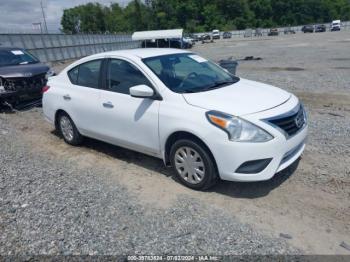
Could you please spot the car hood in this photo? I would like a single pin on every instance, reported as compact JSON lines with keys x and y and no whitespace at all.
{"x":242,"y":98}
{"x":23,"y":70}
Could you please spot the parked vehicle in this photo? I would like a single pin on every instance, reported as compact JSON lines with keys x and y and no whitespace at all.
{"x":308,"y":29}
{"x":227,"y":35}
{"x":167,"y":43}
{"x":320,"y":28}
{"x":258,"y":32}
{"x":182,"y":108}
{"x":289,"y":31}
{"x":205,"y":37}
{"x":189,"y":40}
{"x":335,"y":26}
{"x":273,"y":32}
{"x":216,"y":34}
{"x":22,"y":76}
{"x":195,"y":37}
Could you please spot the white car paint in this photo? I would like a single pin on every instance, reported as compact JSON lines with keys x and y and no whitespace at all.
{"x":248,"y":97}
{"x":144,"y":125}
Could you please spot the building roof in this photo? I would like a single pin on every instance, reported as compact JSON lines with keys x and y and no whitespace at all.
{"x":157,"y":34}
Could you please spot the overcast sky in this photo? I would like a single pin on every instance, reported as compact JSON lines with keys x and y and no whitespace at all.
{"x":19,"y":15}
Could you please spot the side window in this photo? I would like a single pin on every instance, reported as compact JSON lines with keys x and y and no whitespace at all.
{"x":86,"y":74}
{"x":89,"y":74}
{"x":73,"y":75}
{"x":122,"y":75}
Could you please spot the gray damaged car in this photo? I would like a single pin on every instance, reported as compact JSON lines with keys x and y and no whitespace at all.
{"x":22,"y":76}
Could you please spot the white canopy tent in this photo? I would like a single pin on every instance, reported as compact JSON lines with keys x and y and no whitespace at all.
{"x":157,"y":34}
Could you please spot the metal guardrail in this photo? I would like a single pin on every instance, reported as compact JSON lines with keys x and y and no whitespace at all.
{"x":58,"y":47}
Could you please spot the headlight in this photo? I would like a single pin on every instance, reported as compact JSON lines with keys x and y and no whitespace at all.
{"x":50,"y":73}
{"x":238,"y":130}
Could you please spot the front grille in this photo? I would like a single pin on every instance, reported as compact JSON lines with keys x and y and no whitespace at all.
{"x":25,"y":85}
{"x":291,"y":122}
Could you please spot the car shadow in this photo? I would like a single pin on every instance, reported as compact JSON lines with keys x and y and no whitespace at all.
{"x":22,"y":107}
{"x":249,"y":190}
{"x":123,"y":154}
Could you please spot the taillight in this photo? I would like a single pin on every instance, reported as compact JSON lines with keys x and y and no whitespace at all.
{"x":45,"y":89}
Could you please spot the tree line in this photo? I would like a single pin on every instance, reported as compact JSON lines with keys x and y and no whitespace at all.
{"x":200,"y":15}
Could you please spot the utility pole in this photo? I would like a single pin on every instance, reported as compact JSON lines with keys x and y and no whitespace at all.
{"x":42,"y":10}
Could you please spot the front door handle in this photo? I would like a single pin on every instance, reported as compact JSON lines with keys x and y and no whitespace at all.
{"x":108,"y":105}
{"x":66,"y":97}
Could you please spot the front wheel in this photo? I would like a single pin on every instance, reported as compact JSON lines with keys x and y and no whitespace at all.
{"x":193,"y":164}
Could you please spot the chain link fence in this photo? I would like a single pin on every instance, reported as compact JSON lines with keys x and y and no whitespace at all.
{"x":58,"y":47}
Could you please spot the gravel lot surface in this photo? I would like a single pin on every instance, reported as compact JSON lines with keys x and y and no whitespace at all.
{"x":301,"y":62}
{"x":315,"y":67}
{"x":102,"y":199}
{"x":49,"y":206}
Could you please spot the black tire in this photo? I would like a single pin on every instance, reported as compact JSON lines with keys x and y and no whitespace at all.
{"x":76,"y":138}
{"x":210,"y":174}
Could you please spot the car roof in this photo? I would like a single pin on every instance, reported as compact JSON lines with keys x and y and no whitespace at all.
{"x":142,"y":52}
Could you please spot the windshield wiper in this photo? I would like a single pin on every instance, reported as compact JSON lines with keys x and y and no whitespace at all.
{"x":218,"y":85}
{"x":188,"y":91}
{"x":28,"y":62}
{"x":215,"y":85}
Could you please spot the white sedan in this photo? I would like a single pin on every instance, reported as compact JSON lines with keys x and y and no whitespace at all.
{"x":180,"y":107}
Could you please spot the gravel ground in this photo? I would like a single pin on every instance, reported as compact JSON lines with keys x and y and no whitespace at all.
{"x":301,"y":62}
{"x":102,"y":199}
{"x":316,"y":68}
{"x":49,"y":206}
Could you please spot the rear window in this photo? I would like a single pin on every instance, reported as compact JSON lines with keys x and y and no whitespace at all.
{"x":87,"y":74}
{"x":73,"y":75}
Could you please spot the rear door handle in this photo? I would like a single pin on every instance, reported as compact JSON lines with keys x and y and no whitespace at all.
{"x":108,"y":105}
{"x":66,"y":97}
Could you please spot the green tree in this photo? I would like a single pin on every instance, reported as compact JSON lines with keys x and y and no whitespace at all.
{"x":70,"y":21}
{"x":200,"y":15}
{"x":114,"y":19}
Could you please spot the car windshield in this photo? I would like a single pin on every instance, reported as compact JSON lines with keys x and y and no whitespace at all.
{"x":16,"y":57}
{"x":189,"y":73}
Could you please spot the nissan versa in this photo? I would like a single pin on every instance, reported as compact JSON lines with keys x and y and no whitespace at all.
{"x":180,"y":107}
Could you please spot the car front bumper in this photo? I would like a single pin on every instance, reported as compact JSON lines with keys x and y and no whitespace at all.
{"x":279,"y":152}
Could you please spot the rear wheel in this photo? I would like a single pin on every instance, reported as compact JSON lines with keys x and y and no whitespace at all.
{"x":193,"y":164}
{"x":68,"y":130}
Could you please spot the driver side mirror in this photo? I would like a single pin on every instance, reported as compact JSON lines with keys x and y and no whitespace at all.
{"x":142,"y":91}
